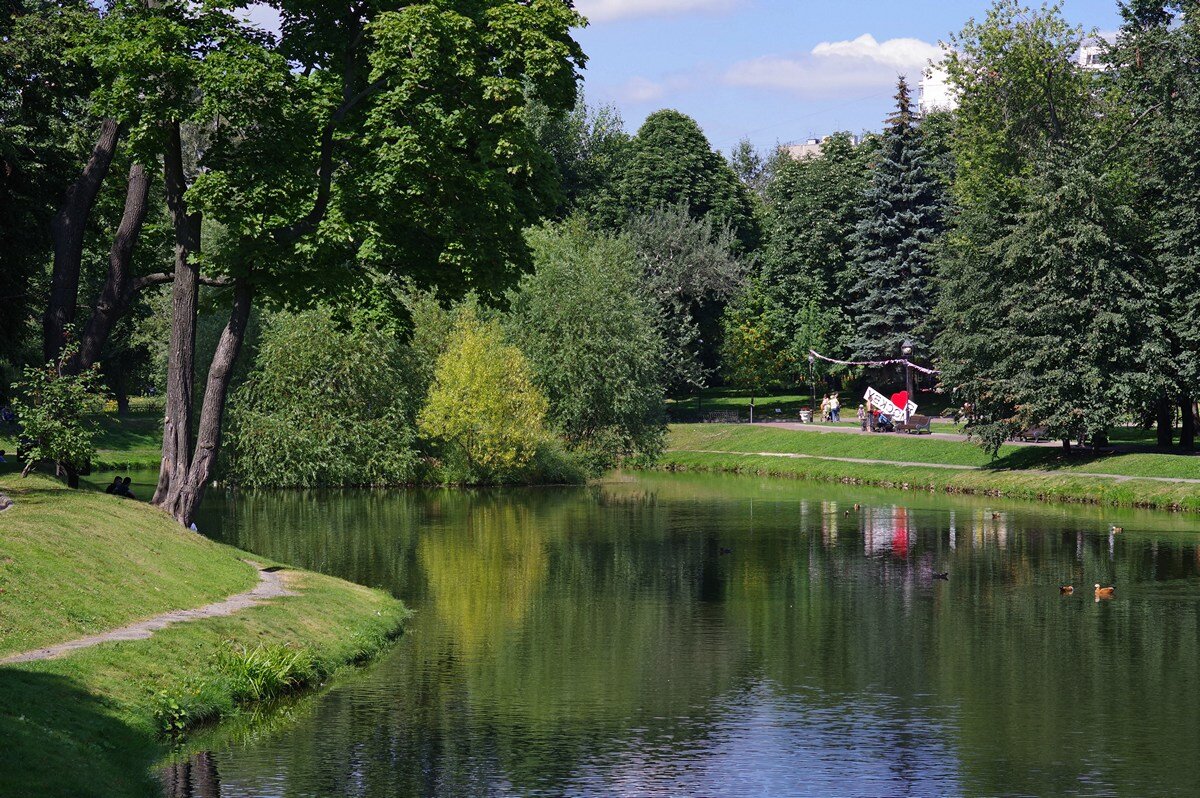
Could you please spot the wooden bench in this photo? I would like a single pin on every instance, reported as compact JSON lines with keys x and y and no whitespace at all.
{"x":1035,"y":434}
{"x":916,"y":425}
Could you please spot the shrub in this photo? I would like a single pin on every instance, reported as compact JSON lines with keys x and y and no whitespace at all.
{"x":325,"y":406}
{"x":266,"y":672}
{"x":54,"y":411}
{"x":589,"y":329}
{"x":483,"y":409}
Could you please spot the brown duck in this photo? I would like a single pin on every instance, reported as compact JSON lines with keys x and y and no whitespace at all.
{"x":1104,"y":592}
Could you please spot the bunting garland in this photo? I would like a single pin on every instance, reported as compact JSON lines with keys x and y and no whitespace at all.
{"x":873,"y":363}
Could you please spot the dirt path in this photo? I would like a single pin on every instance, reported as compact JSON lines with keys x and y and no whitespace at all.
{"x":947,"y":466}
{"x":271,"y":584}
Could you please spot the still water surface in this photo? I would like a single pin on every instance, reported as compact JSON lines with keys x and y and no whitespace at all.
{"x":682,"y":635}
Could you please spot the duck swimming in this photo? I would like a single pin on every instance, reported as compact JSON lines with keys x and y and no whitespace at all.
{"x":1104,"y":592}
{"x":1066,"y":590}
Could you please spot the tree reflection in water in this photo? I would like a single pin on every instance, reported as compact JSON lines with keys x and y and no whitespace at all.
{"x":673,"y":634}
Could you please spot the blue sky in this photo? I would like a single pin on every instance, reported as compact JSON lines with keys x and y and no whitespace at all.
{"x":772,"y":70}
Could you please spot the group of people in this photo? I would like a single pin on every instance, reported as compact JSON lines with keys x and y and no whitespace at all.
{"x":120,"y":487}
{"x":831,"y":408}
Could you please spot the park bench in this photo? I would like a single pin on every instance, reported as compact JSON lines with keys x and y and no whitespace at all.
{"x":1035,"y":434}
{"x":721,"y":417}
{"x":916,"y":425}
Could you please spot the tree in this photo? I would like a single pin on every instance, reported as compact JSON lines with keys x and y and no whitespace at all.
{"x":591,"y":334}
{"x":483,"y":406}
{"x":1022,"y":103}
{"x":812,"y":213}
{"x":1154,"y":99}
{"x":670,"y":162}
{"x":326,"y":405}
{"x":1073,"y":360}
{"x":394,"y":140}
{"x":756,"y":351}
{"x":55,"y":409}
{"x":588,"y":146}
{"x":690,"y":269}
{"x":900,"y":220}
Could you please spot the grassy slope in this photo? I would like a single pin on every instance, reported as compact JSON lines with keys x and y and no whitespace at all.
{"x":85,"y":724}
{"x":692,"y":446}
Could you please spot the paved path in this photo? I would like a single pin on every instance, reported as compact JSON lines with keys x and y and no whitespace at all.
{"x":911,"y":464}
{"x":271,"y":584}
{"x":856,"y":430}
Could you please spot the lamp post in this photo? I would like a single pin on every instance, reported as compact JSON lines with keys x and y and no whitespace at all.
{"x":906,"y":349}
{"x":812,"y":383}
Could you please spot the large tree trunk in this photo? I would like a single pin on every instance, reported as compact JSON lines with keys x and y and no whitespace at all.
{"x":67,"y":230}
{"x":183,"y":503}
{"x":1187,"y":430}
{"x":1166,"y":426}
{"x":118,"y":290}
{"x":177,"y":423}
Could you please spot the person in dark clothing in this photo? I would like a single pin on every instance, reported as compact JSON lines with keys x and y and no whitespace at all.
{"x":115,"y":487}
{"x":125,"y":490}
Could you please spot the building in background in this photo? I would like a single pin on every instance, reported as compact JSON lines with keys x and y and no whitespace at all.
{"x":811,"y":148}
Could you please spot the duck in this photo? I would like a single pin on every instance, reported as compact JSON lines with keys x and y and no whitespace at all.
{"x":1066,"y":590}
{"x":944,"y":575}
{"x":847,"y":513}
{"x":995,"y":516}
{"x":1104,"y":592}
{"x":857,"y":507}
{"x":1116,"y":530}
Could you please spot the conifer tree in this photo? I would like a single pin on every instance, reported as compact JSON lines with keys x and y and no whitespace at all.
{"x":900,"y":219}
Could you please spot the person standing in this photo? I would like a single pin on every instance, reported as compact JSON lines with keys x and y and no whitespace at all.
{"x":835,"y":408}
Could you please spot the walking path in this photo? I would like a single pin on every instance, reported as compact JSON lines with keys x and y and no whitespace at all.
{"x":271,"y":584}
{"x":911,"y":464}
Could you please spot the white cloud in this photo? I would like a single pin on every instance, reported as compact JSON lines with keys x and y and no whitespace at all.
{"x":609,"y":10}
{"x":835,"y":67}
{"x":639,"y":90}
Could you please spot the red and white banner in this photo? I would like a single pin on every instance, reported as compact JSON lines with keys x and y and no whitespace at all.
{"x":899,"y":406}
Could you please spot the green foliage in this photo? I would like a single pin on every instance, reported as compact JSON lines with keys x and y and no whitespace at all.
{"x":901,"y":219}
{"x":590,"y":332}
{"x":670,"y":162}
{"x":588,"y":146}
{"x":326,"y":405}
{"x":483,"y":407}
{"x":813,"y":209}
{"x":266,"y":672}
{"x":55,"y":411}
{"x":756,"y":351}
{"x":690,"y":268}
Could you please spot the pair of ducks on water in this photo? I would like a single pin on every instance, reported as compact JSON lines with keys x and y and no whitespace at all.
{"x":1101,"y":592}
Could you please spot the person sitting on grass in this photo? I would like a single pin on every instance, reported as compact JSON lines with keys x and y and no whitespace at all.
{"x":125,"y":490}
{"x":115,"y":487}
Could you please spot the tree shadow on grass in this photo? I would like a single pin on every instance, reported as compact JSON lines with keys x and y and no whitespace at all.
{"x":56,"y":740}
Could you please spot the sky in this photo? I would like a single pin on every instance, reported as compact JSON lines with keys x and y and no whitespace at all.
{"x":773,"y":71}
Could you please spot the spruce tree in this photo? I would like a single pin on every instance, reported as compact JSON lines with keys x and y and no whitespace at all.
{"x":901,"y":217}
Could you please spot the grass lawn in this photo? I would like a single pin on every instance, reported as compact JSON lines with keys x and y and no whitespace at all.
{"x":73,"y":563}
{"x":702,"y":447}
{"x":124,"y":442}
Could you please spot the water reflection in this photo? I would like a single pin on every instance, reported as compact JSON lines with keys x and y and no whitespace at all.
{"x":677,"y":635}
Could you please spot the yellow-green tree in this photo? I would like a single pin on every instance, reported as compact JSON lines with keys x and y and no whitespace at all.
{"x":483,"y":408}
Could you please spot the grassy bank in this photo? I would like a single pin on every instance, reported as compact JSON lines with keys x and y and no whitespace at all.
{"x":1045,"y":474}
{"x":92,"y":723}
{"x":124,"y":442}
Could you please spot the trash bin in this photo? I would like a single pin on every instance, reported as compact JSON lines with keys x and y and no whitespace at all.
{"x":806,"y":416}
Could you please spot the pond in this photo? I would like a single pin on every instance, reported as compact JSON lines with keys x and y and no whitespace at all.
{"x":682,"y":635}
